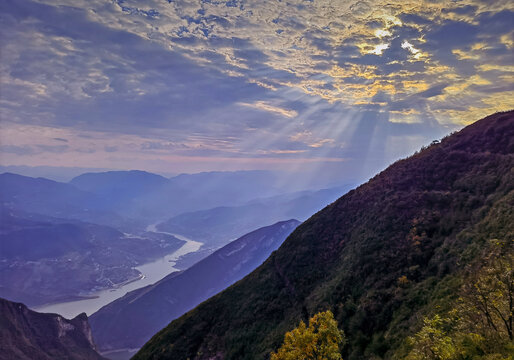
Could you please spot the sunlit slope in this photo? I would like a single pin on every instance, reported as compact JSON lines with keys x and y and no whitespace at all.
{"x":417,"y":221}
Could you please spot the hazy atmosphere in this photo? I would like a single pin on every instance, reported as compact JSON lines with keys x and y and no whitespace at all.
{"x":189,"y":86}
{"x":256,"y":179}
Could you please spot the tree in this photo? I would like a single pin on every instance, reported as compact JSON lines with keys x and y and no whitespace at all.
{"x":481,"y":325}
{"x":319,"y":341}
{"x":433,"y":341}
{"x":487,"y":301}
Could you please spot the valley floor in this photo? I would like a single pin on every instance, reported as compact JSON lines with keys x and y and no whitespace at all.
{"x":151,"y":273}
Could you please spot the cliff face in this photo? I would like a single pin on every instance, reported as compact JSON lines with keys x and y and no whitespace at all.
{"x":26,"y":334}
{"x":377,"y":257}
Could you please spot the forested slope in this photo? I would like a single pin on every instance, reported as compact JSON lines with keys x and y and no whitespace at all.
{"x":380,"y":258}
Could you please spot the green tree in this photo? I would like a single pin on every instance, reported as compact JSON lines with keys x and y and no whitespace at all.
{"x":433,"y":342}
{"x":480,"y":327}
{"x":319,"y":341}
{"x":487,"y":301}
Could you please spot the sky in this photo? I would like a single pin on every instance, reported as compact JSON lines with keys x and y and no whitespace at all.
{"x":171,"y":86}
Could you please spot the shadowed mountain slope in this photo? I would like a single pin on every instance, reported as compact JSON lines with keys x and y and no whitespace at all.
{"x":28,"y":335}
{"x":131,"y":320}
{"x":418,"y":221}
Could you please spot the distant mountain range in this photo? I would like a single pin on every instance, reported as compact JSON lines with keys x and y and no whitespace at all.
{"x":118,"y":188}
{"x":54,"y":199}
{"x":380,"y":258}
{"x":131,"y":200}
{"x":152,"y":198}
{"x":93,"y":229}
{"x":131,"y":320}
{"x":63,"y":241}
{"x":28,"y":335}
{"x":214,"y":226}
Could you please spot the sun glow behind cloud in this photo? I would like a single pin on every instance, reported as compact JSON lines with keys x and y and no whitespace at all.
{"x":192,"y":80}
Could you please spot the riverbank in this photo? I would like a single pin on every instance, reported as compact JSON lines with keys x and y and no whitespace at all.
{"x":150,"y":273}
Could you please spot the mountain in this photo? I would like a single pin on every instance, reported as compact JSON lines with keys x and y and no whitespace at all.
{"x":119,"y":187}
{"x":45,"y":259}
{"x":56,"y":173}
{"x":41,"y":195}
{"x":150,"y":197}
{"x":52,"y":198}
{"x":379,"y":258}
{"x":192,"y":192}
{"x":214,"y":226}
{"x":131,"y":320}
{"x":131,"y":200}
{"x":28,"y":335}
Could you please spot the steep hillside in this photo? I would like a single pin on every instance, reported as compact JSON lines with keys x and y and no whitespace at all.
{"x":28,"y":335}
{"x":377,"y":257}
{"x":130,"y":321}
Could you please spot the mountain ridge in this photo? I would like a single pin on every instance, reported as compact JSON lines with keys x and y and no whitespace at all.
{"x":214,"y":225}
{"x":131,"y":320}
{"x":417,"y":219}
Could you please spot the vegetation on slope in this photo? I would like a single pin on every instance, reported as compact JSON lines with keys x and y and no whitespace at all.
{"x":380,"y":258}
{"x":479,"y":326}
{"x":318,"y":341}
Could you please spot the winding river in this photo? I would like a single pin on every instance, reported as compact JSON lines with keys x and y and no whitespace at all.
{"x":152,"y":272}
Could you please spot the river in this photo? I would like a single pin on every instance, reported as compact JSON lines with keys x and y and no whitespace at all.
{"x":152,"y":272}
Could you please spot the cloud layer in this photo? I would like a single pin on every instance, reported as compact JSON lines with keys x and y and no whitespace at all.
{"x":245,"y":84}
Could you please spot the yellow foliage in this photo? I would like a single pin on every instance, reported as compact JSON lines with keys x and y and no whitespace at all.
{"x":403,"y":280}
{"x":319,"y":341}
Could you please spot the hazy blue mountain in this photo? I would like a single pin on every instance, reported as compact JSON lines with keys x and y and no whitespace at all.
{"x":56,"y":173}
{"x":55,"y":199}
{"x":191,"y":192}
{"x":119,"y":187}
{"x":45,"y":259}
{"x":131,"y":200}
{"x":29,"y":335}
{"x":131,"y":320}
{"x":151,"y":197}
{"x":215,"y":226}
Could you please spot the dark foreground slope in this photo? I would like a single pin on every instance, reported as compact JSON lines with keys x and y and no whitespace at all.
{"x":131,"y":320}
{"x":416,"y":221}
{"x":27,"y":335}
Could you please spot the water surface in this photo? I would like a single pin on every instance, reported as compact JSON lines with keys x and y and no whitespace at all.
{"x":152,"y":272}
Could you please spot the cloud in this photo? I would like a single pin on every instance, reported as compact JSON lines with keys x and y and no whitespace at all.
{"x":110,"y":149}
{"x":32,"y":150}
{"x":18,"y":150}
{"x":52,"y":148}
{"x":264,"y":106}
{"x":131,"y":79}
